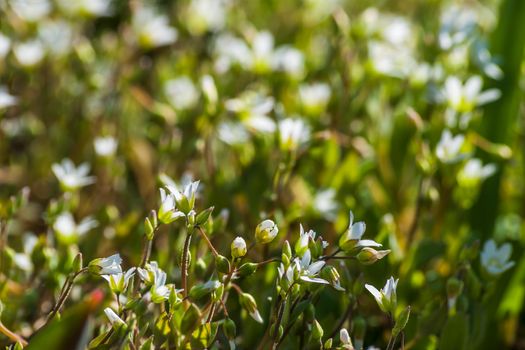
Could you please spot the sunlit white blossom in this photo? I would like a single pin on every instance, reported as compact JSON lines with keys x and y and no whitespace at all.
{"x":118,"y":282}
{"x":352,"y":237}
{"x":463,"y":98}
{"x":206,"y":15}
{"x":474,"y":171}
{"x":86,"y":8}
{"x":253,"y":108}
{"x":386,"y":297}
{"x":293,"y":132}
{"x":314,"y":97}
{"x":112,"y":316}
{"x":57,"y":37}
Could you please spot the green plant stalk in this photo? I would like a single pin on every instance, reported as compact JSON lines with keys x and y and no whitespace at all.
{"x":12,"y":335}
{"x":185,"y":264}
{"x":66,"y":290}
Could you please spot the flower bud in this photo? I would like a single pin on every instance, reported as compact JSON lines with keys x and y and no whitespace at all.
{"x":368,"y":256}
{"x":203,"y":216}
{"x":222,"y":263}
{"x":287,"y":250}
{"x":359,"y":332}
{"x":148,"y":229}
{"x":249,"y":303}
{"x":266,"y":231}
{"x":77,"y":263}
{"x":238,"y":247}
{"x":246,"y":269}
{"x":401,"y":322}
{"x":114,"y":319}
{"x":200,"y":290}
{"x":317,"y":330}
{"x":229,"y":328}
{"x":328,"y":343}
{"x":190,"y":319}
{"x":344,"y":337}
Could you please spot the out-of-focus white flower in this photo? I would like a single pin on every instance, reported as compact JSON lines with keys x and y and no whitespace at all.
{"x":486,"y":61}
{"x":29,"y":53}
{"x":181,"y":92}
{"x":105,"y":146}
{"x":57,"y":36}
{"x":352,"y":237}
{"x":31,"y":10}
{"x":209,"y":89}
{"x":293,"y":132}
{"x":289,"y":60}
{"x":474,"y":171}
{"x":5,"y":45}
{"x":386,"y":298}
{"x":6,"y":99}
{"x":238,"y":247}
{"x":118,"y":282}
{"x":496,"y":260}
{"x":266,"y":231}
{"x":345,"y":339}
{"x":86,"y":8}
{"x":113,"y":318}
{"x":463,"y":98}
{"x":206,"y":15}
{"x":152,"y":29}
{"x":106,"y":266}
{"x":68,"y":231}
{"x":232,"y":133}
{"x":457,"y":25}
{"x":70,"y":177}
{"x":318,"y":10}
{"x":231,"y":51}
{"x":262,"y":51}
{"x":314,"y":97}
{"x":324,"y":202}
{"x":391,"y":60}
{"x":449,"y":147}
{"x":253,"y":108}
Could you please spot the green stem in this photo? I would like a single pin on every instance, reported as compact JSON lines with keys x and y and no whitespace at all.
{"x":185,"y":264}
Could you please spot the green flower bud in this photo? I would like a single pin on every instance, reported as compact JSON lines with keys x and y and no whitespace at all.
{"x":203,"y":216}
{"x":328,"y":343}
{"x":148,"y":229}
{"x":266,"y":231}
{"x":317,"y":330}
{"x":77,"y":263}
{"x":287,"y":250}
{"x":368,"y":256}
{"x":201,"y":290}
{"x":401,"y":322}
{"x":250,"y":305}
{"x":190,"y":319}
{"x":280,"y":331}
{"x":222,"y":263}
{"x":246,"y":269}
{"x":238,"y":247}
{"x":229,"y":328}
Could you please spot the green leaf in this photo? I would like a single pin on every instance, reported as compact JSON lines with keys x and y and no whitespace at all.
{"x":455,"y":333}
{"x":203,"y":336}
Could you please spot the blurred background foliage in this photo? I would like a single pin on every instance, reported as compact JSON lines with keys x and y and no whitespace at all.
{"x":199,"y":89}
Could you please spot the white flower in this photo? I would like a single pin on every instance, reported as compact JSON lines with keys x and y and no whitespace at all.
{"x":87,"y":8}
{"x":31,"y":10}
{"x":229,"y":51}
{"x":68,"y":231}
{"x":344,"y":337}
{"x":152,"y":29}
{"x":167,"y":211}
{"x":289,"y":60}
{"x":106,"y":266}
{"x":232,"y":133}
{"x":448,"y":148}
{"x":206,"y":15}
{"x":474,"y":171}
{"x":463,"y":98}
{"x":325,"y":203}
{"x":301,"y":245}
{"x":238,"y":247}
{"x":70,"y":177}
{"x":181,"y":92}
{"x":314,"y":97}
{"x":29,"y":53}
{"x":352,"y":237}
{"x":6,"y":99}
{"x":118,"y":282}
{"x":105,"y":146}
{"x":185,"y":199}
{"x":496,"y":260}
{"x":266,"y":231}
{"x":57,"y":37}
{"x":155,"y":278}
{"x":293,"y":132}
{"x":254,"y":109}
{"x":113,"y":317}
{"x":5,"y":45}
{"x":386,"y":298}
{"x":457,"y":25}
{"x":308,"y":270}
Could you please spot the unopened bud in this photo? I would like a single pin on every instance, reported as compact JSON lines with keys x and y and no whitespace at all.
{"x":368,"y":256}
{"x":266,"y":231}
{"x":238,"y":247}
{"x":246,"y":269}
{"x":222,"y":263}
{"x":401,"y":322}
